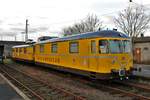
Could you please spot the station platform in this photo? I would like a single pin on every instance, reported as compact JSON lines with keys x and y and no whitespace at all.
{"x":8,"y":91}
{"x":145,"y":70}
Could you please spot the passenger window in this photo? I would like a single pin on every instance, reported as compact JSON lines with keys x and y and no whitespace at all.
{"x":74,"y":47}
{"x":20,"y":50}
{"x":41,"y":48}
{"x":54,"y":48}
{"x":16,"y":49}
{"x":25,"y":50}
{"x":93,"y":46}
{"x":103,"y":46}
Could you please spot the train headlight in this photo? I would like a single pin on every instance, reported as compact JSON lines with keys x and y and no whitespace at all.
{"x":121,"y":72}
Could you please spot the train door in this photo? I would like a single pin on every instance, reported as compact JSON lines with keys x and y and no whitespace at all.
{"x":1,"y":53}
{"x":93,"y":60}
{"x":103,"y":51}
{"x":33,"y":53}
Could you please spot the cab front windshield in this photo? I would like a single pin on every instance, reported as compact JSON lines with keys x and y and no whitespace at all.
{"x":114,"y":46}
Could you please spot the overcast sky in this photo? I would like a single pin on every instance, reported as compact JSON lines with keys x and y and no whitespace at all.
{"x":48,"y":17}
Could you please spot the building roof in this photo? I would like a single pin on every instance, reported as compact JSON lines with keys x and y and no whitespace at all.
{"x":20,"y":46}
{"x":104,"y":33}
{"x":11,"y":42}
{"x":141,"y":39}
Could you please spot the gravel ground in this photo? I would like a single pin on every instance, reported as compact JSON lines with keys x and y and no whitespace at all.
{"x":69,"y":83}
{"x":147,"y":82}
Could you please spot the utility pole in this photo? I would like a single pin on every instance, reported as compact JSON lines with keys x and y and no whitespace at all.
{"x":26,"y":30}
{"x":15,"y":38}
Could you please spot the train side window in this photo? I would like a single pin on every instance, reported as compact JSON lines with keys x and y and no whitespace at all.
{"x":93,"y":46}
{"x":74,"y":47}
{"x":41,"y":48}
{"x":25,"y":50}
{"x":20,"y":50}
{"x":54,"y":48}
{"x":16,"y":49}
{"x":103,"y":46}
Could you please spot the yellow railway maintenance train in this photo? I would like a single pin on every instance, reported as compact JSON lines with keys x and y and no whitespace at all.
{"x":102,"y":55}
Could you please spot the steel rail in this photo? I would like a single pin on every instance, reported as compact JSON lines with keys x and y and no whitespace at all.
{"x":98,"y":84}
{"x":129,"y":93}
{"x":76,"y":97}
{"x":136,"y":85}
{"x":21,"y":84}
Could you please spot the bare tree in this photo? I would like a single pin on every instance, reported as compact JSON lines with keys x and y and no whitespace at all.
{"x":90,"y":24}
{"x":133,"y":21}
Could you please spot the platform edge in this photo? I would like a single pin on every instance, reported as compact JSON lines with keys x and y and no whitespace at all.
{"x":15,"y":88}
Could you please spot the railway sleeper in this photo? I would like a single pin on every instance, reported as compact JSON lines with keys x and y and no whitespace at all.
{"x":48,"y":95}
{"x":60,"y":97}
{"x":34,"y":86}
{"x":55,"y":92}
{"x":92,"y":75}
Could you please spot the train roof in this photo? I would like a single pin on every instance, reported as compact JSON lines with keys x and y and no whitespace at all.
{"x":20,"y":46}
{"x":104,"y":33}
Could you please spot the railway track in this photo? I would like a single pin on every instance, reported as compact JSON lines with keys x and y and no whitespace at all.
{"x":142,"y":86}
{"x":141,"y":79}
{"x":113,"y":89}
{"x":34,"y":88}
{"x":116,"y":89}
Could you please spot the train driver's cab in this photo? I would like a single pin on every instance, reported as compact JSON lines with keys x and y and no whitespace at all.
{"x":114,"y":46}
{"x":103,"y":46}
